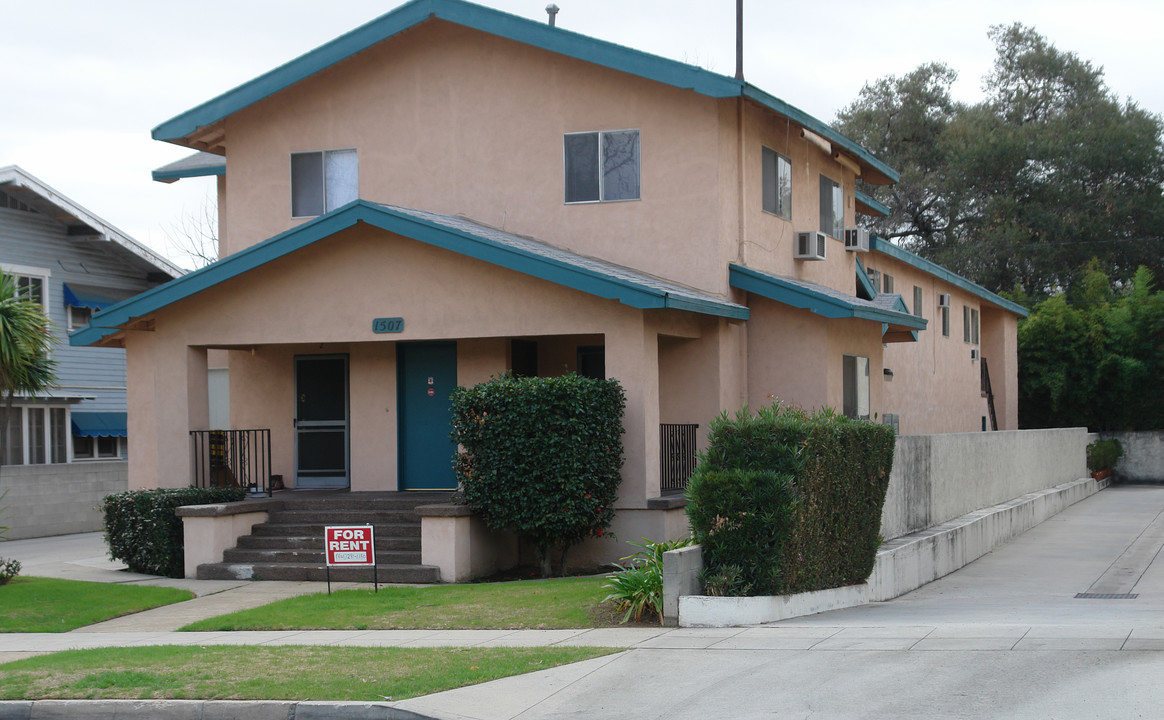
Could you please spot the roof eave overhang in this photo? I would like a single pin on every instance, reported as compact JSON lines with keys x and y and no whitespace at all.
{"x":114,"y":319}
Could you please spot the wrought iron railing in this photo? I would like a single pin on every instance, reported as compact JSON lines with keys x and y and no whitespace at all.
{"x":230,"y":458}
{"x":676,"y":455}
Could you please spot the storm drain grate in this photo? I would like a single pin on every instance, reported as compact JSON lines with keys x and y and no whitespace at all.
{"x":1106,"y":596}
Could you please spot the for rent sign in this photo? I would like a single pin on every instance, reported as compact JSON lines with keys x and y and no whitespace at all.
{"x":349,"y":545}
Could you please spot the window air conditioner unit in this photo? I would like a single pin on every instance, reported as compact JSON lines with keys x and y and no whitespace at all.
{"x":973,"y":354}
{"x":811,"y":245}
{"x":857,"y":239}
{"x":944,"y":300}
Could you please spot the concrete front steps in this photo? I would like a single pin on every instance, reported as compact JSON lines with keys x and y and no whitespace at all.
{"x":289,"y":545}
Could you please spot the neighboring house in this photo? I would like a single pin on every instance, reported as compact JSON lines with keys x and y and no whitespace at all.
{"x":73,"y":263}
{"x":450,"y":192}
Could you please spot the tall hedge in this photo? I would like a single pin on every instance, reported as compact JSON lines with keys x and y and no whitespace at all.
{"x":142,"y":530}
{"x":541,"y":456}
{"x":790,"y":501}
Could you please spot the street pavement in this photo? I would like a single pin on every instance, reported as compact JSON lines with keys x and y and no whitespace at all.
{"x":1004,"y":637}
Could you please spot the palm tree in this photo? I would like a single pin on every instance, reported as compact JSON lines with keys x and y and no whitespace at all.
{"x":25,"y":341}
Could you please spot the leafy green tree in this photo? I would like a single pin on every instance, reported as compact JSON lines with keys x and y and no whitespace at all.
{"x":1092,"y":356}
{"x":25,"y":341}
{"x":1025,"y":187}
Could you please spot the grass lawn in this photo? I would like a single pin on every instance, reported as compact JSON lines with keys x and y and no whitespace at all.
{"x":271,"y":673}
{"x":525,"y":604}
{"x":33,"y":604}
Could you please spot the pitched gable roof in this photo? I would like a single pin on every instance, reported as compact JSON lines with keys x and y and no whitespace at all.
{"x":194,"y":128}
{"x":80,"y":221}
{"x":460,"y":235}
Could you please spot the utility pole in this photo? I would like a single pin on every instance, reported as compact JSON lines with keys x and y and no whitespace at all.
{"x":740,"y":40}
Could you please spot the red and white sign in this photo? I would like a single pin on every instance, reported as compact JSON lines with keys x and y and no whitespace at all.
{"x":349,"y":545}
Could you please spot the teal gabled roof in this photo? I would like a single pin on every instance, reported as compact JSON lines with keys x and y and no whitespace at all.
{"x":883,"y":246}
{"x":456,"y":234}
{"x":889,"y":310}
{"x":512,"y":27}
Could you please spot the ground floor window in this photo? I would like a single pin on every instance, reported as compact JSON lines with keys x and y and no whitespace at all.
{"x":856,"y":387}
{"x":97,"y":448}
{"x":592,"y":361}
{"x":37,"y":435}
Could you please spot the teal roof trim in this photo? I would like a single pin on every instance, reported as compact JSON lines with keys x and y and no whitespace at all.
{"x":461,"y":236}
{"x":520,"y":29}
{"x":818,"y":300}
{"x":883,"y":246}
{"x":513,"y":27}
{"x":825,"y":131}
{"x":867,"y":200}
{"x":864,"y":281}
{"x":172,"y":175}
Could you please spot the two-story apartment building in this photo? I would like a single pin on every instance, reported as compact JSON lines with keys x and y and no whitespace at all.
{"x":450,"y":192}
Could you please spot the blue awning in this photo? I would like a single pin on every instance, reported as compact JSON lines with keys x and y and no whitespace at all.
{"x":93,"y":298}
{"x":99,"y":424}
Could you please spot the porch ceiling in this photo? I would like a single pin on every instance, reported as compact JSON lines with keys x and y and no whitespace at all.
{"x":459,"y":235}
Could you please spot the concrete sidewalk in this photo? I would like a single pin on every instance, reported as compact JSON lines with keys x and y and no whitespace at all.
{"x":1003,"y":637}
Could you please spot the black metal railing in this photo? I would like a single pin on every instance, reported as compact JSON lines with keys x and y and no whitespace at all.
{"x":232,"y":458}
{"x":676,"y":455}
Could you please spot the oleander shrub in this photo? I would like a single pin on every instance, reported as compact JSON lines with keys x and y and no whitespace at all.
{"x":786,"y":501}
{"x":142,"y":530}
{"x":541,"y":456}
{"x":9,"y":568}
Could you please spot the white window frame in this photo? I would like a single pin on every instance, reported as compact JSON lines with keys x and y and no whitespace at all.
{"x":26,"y":444}
{"x":970,"y":325}
{"x":917,"y":301}
{"x":33,"y":273}
{"x":69,"y":321}
{"x":861,"y":382}
{"x":836,"y":204}
{"x":95,"y":453}
{"x":600,"y":170}
{"x":325,"y":201}
{"x":780,"y":203}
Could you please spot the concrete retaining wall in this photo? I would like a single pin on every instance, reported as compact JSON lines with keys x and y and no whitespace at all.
{"x":1143,"y":458}
{"x":937,"y":478}
{"x":59,"y":499}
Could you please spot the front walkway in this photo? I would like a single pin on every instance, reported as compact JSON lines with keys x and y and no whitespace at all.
{"x":1003,"y":637}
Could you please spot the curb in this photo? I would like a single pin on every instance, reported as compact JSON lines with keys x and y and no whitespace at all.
{"x":201,"y":710}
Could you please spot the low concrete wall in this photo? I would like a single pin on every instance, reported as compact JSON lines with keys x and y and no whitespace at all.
{"x":937,"y":478}
{"x":1143,"y":458}
{"x":60,"y":499}
{"x":210,"y":530}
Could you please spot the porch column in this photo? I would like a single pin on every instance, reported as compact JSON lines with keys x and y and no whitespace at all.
{"x":632,"y":358}
{"x":142,"y":426}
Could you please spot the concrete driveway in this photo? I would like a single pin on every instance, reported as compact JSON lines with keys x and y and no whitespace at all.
{"x":1005,"y":637}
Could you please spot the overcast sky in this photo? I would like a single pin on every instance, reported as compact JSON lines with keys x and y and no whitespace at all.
{"x":84,"y":82}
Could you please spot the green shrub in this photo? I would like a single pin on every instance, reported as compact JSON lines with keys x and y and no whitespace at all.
{"x":142,"y":530}
{"x":9,"y":568}
{"x":1104,"y":454}
{"x":784,"y":501}
{"x":637,"y":585}
{"x":742,"y":519}
{"x":541,"y":456}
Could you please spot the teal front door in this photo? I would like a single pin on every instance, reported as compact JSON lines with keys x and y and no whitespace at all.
{"x":426,"y":374}
{"x":321,"y":421}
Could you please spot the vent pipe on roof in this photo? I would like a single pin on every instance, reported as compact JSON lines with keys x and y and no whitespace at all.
{"x":552,"y":10}
{"x":739,"y":39}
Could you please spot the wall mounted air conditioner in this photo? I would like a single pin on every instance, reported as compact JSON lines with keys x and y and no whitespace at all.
{"x":973,"y":354}
{"x":943,"y":300}
{"x":810,"y":246}
{"x":857,"y":239}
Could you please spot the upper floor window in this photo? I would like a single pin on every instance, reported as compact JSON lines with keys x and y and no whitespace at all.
{"x":602,"y":166}
{"x":323,"y":181}
{"x":30,"y":283}
{"x":777,"y":184}
{"x":887,"y":284}
{"x":832,"y":208}
{"x":917,"y":301}
{"x":969,"y":324}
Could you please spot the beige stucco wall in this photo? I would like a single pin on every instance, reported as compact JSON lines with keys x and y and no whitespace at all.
{"x":271,"y":314}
